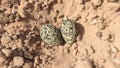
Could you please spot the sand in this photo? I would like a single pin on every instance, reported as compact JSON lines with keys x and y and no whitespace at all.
{"x":98,"y":34}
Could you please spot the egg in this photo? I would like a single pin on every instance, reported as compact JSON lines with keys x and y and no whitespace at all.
{"x":51,"y":35}
{"x":68,"y":31}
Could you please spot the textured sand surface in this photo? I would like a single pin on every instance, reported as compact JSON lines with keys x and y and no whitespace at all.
{"x":98,"y":34}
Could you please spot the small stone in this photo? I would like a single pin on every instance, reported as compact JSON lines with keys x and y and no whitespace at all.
{"x":83,"y":64}
{"x":17,"y":18}
{"x":22,"y":12}
{"x":97,"y":2}
{"x":2,"y":31}
{"x":30,"y":1}
{"x":14,"y":12}
{"x":2,"y":60}
{"x":78,"y":37}
{"x":15,"y":37}
{"x":99,"y":34}
{"x":36,"y":61}
{"x":37,"y":6}
{"x":28,"y":37}
{"x":112,"y":0}
{"x":101,"y":26}
{"x":110,"y":64}
{"x":74,"y":53}
{"x":7,"y":52}
{"x":74,"y":46}
{"x":4,"y":18}
{"x":28,"y":55}
{"x":114,"y":49}
{"x":6,"y":39}
{"x":27,"y":65}
{"x":66,"y":50}
{"x":11,"y":18}
{"x":19,"y":43}
{"x":18,"y":61}
{"x":67,"y":45}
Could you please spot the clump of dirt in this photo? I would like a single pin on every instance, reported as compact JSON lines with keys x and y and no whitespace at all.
{"x":97,"y":25}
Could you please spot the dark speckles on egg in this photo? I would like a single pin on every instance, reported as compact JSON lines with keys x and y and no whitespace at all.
{"x":50,"y":34}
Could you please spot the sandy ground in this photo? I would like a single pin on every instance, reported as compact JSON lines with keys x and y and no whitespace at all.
{"x":98,"y":28}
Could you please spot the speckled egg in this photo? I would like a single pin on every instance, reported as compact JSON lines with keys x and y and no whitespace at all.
{"x":50,"y":34}
{"x":68,"y":31}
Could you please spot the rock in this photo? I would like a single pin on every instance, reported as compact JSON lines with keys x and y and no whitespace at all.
{"x":11,"y":18}
{"x":27,"y":65}
{"x":18,"y":61}
{"x":30,"y":1}
{"x":2,"y":60}
{"x":28,"y":55}
{"x":19,"y":43}
{"x":114,"y":49}
{"x":79,"y":37}
{"x":7,"y":52}
{"x":6,"y":39}
{"x":2,"y":31}
{"x":99,"y":34}
{"x":37,"y":6}
{"x":97,"y":2}
{"x":15,"y":37}
{"x":17,"y":18}
{"x":22,"y":12}
{"x":4,"y":18}
{"x":112,"y":0}
{"x":83,"y":64}
{"x":36,"y":61}
{"x":74,"y":53}
{"x":109,"y":64}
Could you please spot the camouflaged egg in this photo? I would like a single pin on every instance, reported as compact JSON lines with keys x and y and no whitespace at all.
{"x":50,"y":34}
{"x":68,"y":31}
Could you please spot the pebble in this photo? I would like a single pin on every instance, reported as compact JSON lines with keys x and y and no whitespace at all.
{"x":11,"y":18}
{"x":36,"y":61}
{"x":21,"y":12}
{"x":99,"y":34}
{"x":30,"y":1}
{"x":101,"y":26}
{"x":66,"y":50}
{"x":111,"y":0}
{"x":17,"y":18}
{"x":19,"y":43}
{"x":97,"y":2}
{"x":6,"y":39}
{"x":78,"y":37}
{"x":27,"y":65}
{"x":2,"y":30}
{"x":67,"y":45}
{"x":37,"y":6}
{"x":4,"y":18}
{"x":83,"y":64}
{"x":7,"y":52}
{"x":110,"y":64}
{"x":114,"y":49}
{"x":28,"y":55}
{"x":74,"y":53}
{"x":18,"y":61}
{"x":2,"y":60}
{"x":15,"y":37}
